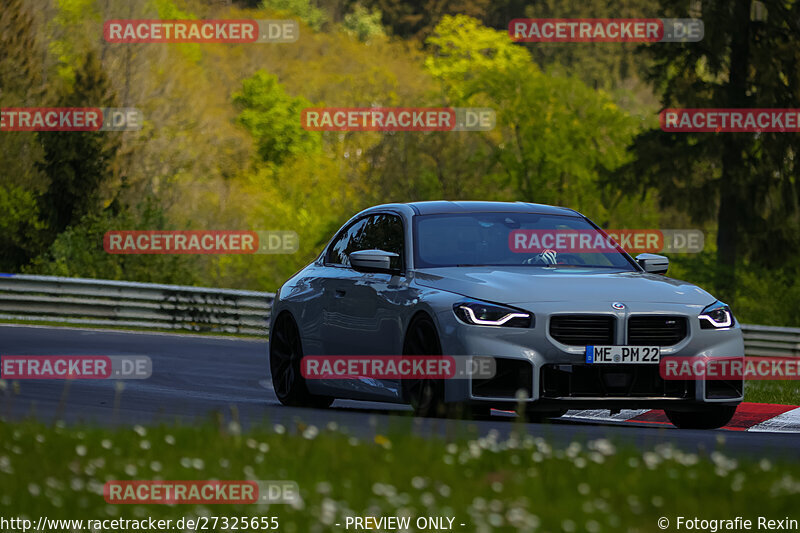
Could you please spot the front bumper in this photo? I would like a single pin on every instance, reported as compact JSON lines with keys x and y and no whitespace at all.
{"x":535,"y":368}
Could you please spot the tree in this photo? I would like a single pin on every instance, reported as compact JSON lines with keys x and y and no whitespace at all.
{"x":21,"y":84}
{"x":554,"y":136}
{"x":19,"y":227}
{"x":607,"y":66}
{"x":20,"y":66}
{"x":363,"y":23}
{"x":746,"y":182}
{"x":301,"y":9}
{"x":78,"y":163}
{"x":273,"y":118}
{"x":79,"y":252}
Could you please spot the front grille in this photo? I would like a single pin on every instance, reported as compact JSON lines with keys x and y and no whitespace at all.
{"x":616,"y":381}
{"x":582,"y":330}
{"x":656,"y":330}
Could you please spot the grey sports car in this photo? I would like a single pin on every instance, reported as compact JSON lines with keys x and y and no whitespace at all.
{"x":566,"y":330}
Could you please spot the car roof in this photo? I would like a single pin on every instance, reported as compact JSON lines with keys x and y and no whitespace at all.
{"x":442,"y":207}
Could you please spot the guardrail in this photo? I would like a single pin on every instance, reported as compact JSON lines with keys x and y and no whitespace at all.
{"x":132,"y":304}
{"x":771,"y":341}
{"x":148,"y":305}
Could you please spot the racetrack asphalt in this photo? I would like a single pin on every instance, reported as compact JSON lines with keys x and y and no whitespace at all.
{"x":195,"y":376}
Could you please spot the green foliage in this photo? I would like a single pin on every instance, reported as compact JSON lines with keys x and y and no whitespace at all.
{"x":417,"y":18}
{"x":167,"y":10}
{"x":20,"y":66}
{"x":273,"y":118}
{"x":300,"y":9}
{"x":606,"y":66}
{"x":555,"y":136}
{"x":764,"y":295}
{"x":309,"y":195}
{"x":19,"y":227}
{"x":465,"y":56}
{"x":363,"y":24}
{"x":70,"y":27}
{"x":79,"y":252}
{"x":77,"y":163}
{"x":223,"y":148}
{"x":744,"y":182}
{"x":21,"y":84}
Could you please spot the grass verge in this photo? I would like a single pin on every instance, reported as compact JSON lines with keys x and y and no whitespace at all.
{"x":763,"y":391}
{"x":520,"y":484}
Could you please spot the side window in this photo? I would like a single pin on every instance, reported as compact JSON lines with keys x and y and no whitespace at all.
{"x":385,"y":232}
{"x":382,"y":232}
{"x":337,"y":254}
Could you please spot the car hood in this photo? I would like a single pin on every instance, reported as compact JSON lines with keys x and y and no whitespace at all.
{"x":536,"y":284}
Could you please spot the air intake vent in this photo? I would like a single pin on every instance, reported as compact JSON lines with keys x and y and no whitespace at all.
{"x":656,"y":330}
{"x":582,"y":330}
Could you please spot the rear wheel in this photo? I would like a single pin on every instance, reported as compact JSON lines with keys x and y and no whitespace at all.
{"x":708,"y":418}
{"x":285,"y":354}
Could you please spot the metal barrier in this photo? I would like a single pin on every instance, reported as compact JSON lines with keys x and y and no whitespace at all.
{"x":131,"y":304}
{"x":771,"y":341}
{"x":148,"y":305}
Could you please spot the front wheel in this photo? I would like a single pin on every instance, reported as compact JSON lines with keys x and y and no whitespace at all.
{"x":708,"y":418}
{"x":285,"y":355}
{"x":426,"y":396}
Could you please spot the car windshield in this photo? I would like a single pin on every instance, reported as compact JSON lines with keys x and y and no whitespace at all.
{"x":514,"y":239}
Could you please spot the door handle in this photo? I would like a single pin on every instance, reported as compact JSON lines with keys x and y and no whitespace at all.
{"x":340,"y":293}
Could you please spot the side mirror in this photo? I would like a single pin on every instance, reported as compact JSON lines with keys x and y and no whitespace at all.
{"x":373,"y":261}
{"x":652,"y":263}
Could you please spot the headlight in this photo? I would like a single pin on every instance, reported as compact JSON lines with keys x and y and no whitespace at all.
{"x":716,"y":316}
{"x":485,"y":314}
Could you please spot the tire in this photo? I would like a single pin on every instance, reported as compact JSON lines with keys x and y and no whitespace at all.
{"x":425,"y":395}
{"x":285,"y":354}
{"x":708,"y":418}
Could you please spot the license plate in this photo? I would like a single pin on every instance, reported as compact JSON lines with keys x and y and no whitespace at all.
{"x":620,"y":355}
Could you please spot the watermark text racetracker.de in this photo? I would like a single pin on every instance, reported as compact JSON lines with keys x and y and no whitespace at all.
{"x":397,"y":119}
{"x":742,"y":120}
{"x":200,"y":242}
{"x":642,"y":30}
{"x":201,"y":31}
{"x":192,"y":492}
{"x":70,"y":119}
{"x":729,"y":368}
{"x":397,"y":367}
{"x":75,"y":367}
{"x":595,"y":241}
